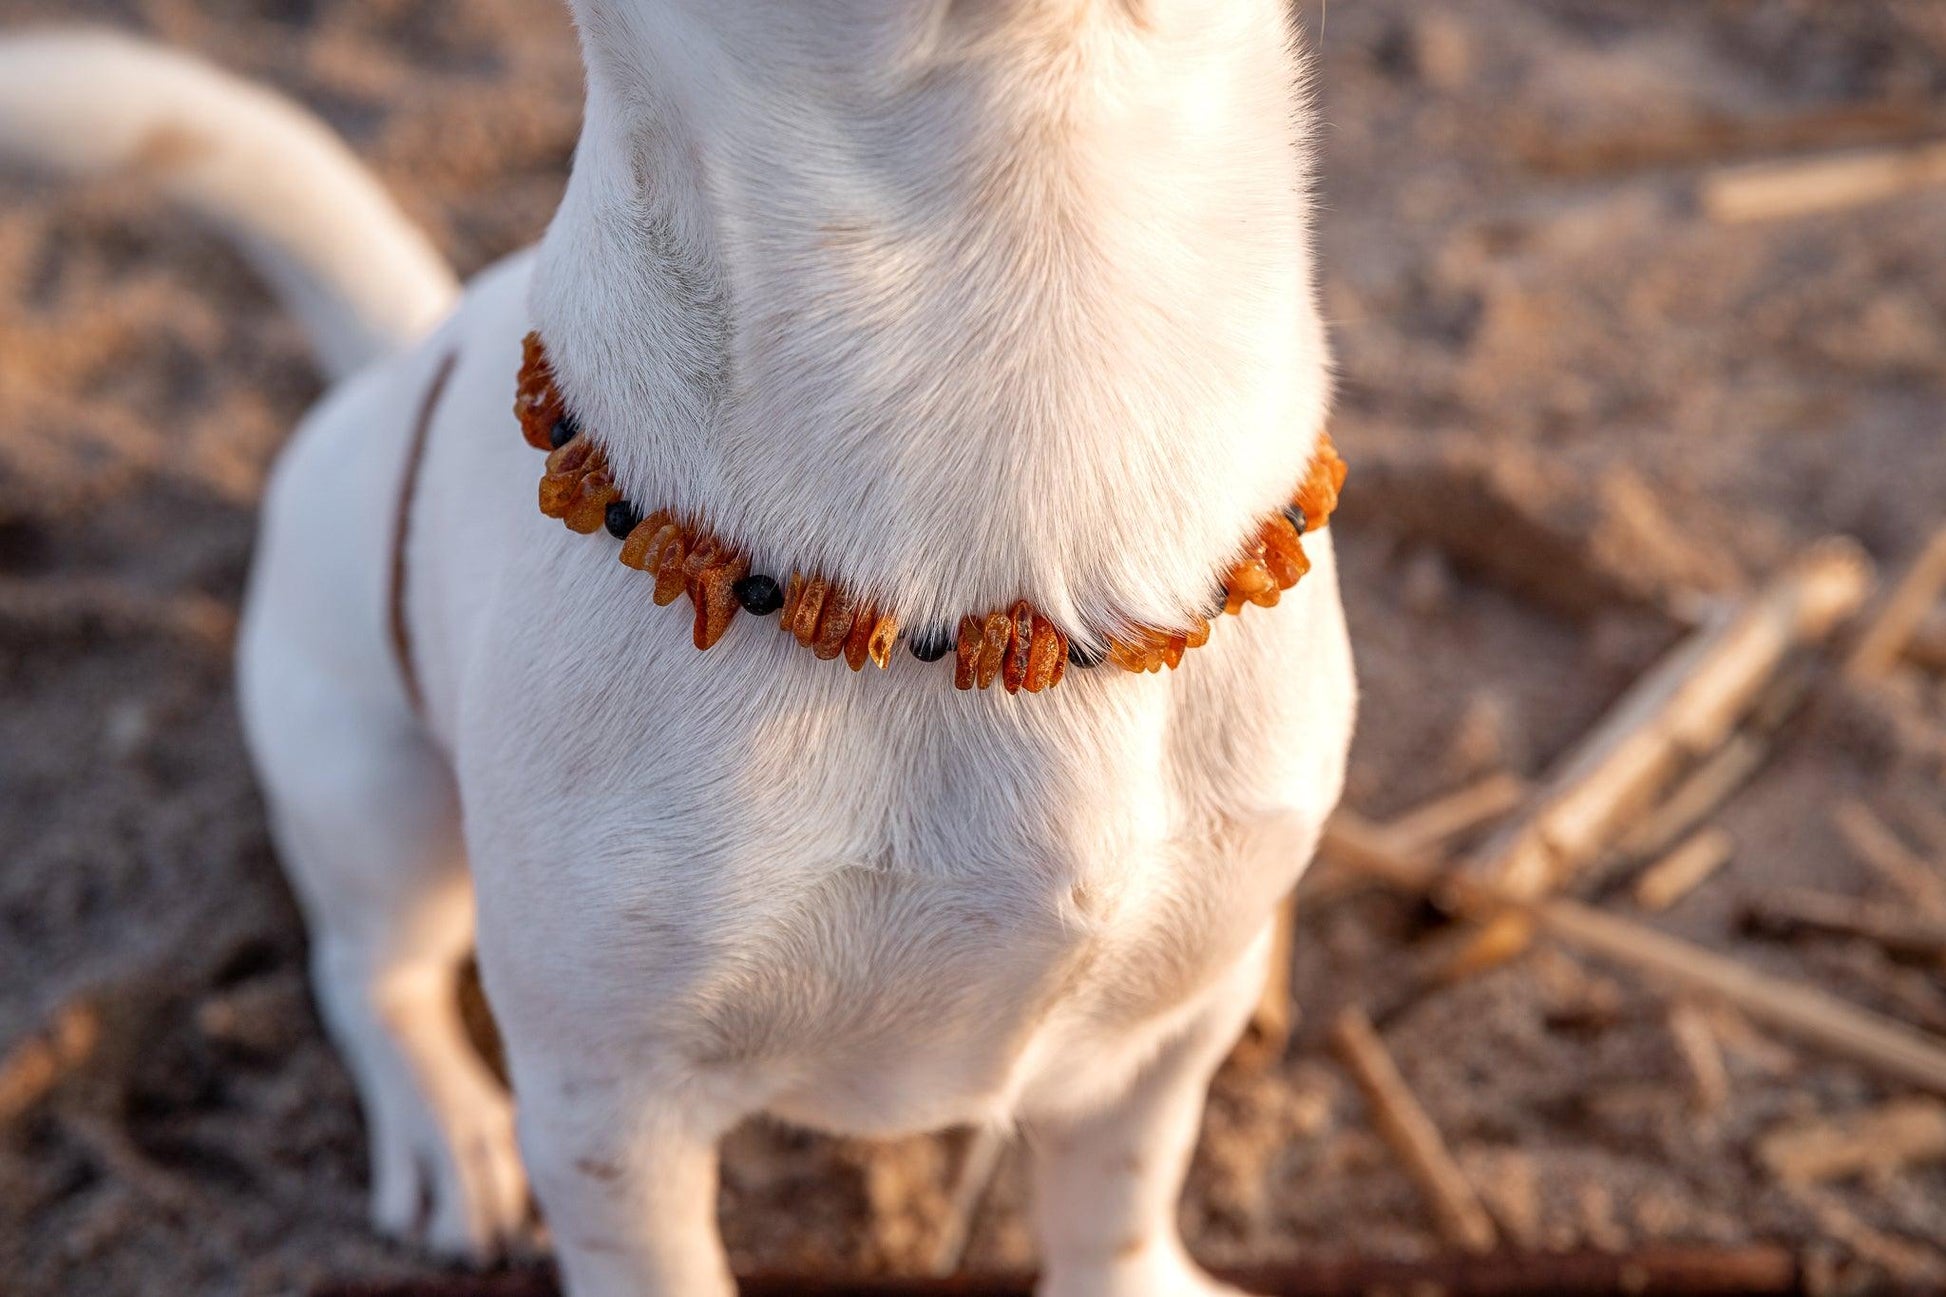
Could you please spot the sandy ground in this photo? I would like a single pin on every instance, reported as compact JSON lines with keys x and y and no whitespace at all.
{"x":1517,"y":273}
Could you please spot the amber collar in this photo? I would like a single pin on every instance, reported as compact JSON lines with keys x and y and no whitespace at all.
{"x":1016,"y":646}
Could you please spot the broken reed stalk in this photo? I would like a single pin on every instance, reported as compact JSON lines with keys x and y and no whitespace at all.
{"x":1429,"y":826}
{"x":1890,"y":1047}
{"x":1875,"y":844}
{"x":36,"y":1063}
{"x":1698,"y":796}
{"x":1884,"y":639}
{"x":41,"y":609}
{"x":1462,"y":1220}
{"x":1791,"y":912}
{"x":1927,"y":647}
{"x":1439,"y":821}
{"x":1685,"y":707}
{"x":1769,"y":191}
{"x":971,"y":1184}
{"x":1868,"y":1038}
{"x":1877,"y":1142}
{"x":1715,"y":138}
{"x":1701,"y":1053}
{"x":1680,"y":872}
{"x":1269,"y":1029}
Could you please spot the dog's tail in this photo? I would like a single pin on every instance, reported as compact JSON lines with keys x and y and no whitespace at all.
{"x":362,"y":279}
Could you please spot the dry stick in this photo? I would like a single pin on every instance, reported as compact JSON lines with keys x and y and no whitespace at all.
{"x":1770,"y":191}
{"x":1713,"y":782}
{"x":1697,"y":797}
{"x":1462,"y":1220}
{"x":1893,"y":929}
{"x":1891,"y":627}
{"x":1696,"y":1041}
{"x":1909,"y":1267}
{"x":36,"y":1064}
{"x":1680,"y":872}
{"x":1686,"y":706}
{"x":1811,"y":1014}
{"x":1714,"y":138}
{"x":1879,"y":1141}
{"x":1445,"y":818}
{"x":1269,"y":1028}
{"x":1877,"y":1041}
{"x":970,"y":1186}
{"x":1927,"y":647}
{"x":1927,"y":822}
{"x":79,"y":609}
{"x":1874,"y":843}
{"x":1429,"y":825}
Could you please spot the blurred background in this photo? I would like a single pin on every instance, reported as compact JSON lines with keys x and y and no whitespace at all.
{"x":1599,"y":381}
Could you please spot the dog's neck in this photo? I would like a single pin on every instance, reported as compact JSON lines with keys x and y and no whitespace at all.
{"x":960,"y":301}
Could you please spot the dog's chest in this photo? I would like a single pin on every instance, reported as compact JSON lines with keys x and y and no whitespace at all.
{"x":878,"y":900}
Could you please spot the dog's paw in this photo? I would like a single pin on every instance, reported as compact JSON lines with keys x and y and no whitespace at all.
{"x":450,"y":1178}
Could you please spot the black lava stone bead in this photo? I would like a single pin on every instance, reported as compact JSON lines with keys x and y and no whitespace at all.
{"x":621,"y":519}
{"x":1296,"y":515}
{"x":931,"y":644}
{"x":1084,"y":657}
{"x":759,"y":595}
{"x":565,"y":430}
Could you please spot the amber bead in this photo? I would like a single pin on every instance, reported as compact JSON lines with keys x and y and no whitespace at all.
{"x":1020,"y":647}
{"x":1283,"y":553}
{"x":966,"y":666}
{"x":834,"y":624}
{"x":537,"y":403}
{"x":588,"y":509}
{"x":1251,"y":582}
{"x":669,"y":579}
{"x":996,"y":635}
{"x":885,"y":634}
{"x":806,"y":604}
{"x":858,"y":642}
{"x":1044,"y":655}
{"x":713,"y":591}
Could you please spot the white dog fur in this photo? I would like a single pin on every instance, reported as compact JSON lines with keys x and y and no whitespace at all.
{"x":962,"y":301}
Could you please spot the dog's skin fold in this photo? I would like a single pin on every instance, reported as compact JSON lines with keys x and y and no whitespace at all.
{"x":959,"y":303}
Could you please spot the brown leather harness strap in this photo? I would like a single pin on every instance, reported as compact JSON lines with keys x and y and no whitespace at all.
{"x":401,"y":524}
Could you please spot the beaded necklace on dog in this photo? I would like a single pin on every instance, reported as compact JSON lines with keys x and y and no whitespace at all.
{"x":1017,"y":646}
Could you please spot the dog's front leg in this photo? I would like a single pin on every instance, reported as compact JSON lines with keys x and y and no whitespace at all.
{"x":625,"y":1174}
{"x":1106,"y":1182}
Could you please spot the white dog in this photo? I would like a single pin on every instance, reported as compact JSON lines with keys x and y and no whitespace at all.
{"x":961,"y":302}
